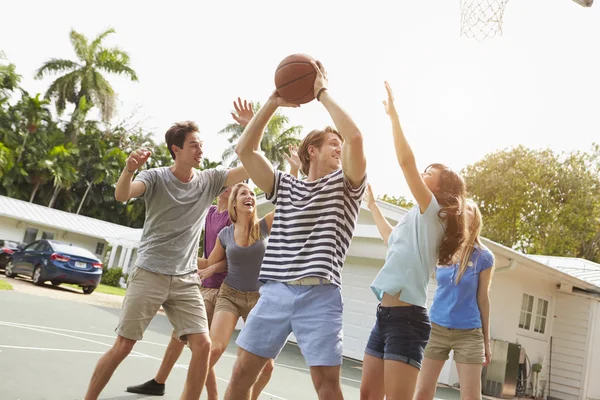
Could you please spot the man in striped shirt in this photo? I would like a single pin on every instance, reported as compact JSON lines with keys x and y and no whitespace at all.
{"x":313,"y":226}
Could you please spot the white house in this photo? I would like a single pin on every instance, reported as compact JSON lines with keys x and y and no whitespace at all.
{"x":548,"y":305}
{"x":25,"y":222}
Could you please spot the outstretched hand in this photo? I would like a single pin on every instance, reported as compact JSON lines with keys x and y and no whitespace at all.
{"x":137,"y":159}
{"x":390,"y":108}
{"x":293,"y":158}
{"x":369,"y":197}
{"x":243,"y":112}
{"x":279,"y":101}
{"x":321,"y":80}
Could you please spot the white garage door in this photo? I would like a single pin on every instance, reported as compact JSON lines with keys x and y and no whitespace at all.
{"x":360,"y":306}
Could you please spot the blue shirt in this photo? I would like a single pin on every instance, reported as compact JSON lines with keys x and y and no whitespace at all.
{"x":455,"y":305}
{"x":413,"y":249}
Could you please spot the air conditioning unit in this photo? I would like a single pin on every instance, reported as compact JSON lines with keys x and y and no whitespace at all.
{"x":499,"y":377}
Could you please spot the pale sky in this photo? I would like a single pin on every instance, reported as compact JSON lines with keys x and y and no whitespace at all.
{"x":458,"y":99}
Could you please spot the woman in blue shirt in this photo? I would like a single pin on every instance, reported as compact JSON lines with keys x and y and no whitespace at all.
{"x":460,"y":316}
{"x":431,"y":233}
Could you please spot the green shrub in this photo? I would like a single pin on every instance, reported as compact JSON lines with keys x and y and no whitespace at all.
{"x":111,"y":276}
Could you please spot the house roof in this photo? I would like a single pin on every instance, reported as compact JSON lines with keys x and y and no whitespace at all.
{"x":62,"y":220}
{"x":583,"y":273}
{"x":578,"y":267}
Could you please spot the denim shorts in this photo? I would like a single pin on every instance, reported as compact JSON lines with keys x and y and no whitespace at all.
{"x":400,"y":334}
{"x":313,"y":313}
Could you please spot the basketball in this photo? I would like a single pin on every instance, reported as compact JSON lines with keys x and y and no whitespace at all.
{"x":295,"y":79}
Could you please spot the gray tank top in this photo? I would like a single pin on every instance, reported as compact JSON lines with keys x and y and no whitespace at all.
{"x":243,"y":263}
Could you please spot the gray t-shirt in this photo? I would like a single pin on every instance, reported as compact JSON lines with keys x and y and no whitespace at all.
{"x":243,"y":263}
{"x":174,"y":214}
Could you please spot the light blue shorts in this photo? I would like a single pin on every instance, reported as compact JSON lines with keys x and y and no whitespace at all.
{"x":312,"y":313}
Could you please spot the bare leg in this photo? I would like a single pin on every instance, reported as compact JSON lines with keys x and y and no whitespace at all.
{"x":171,"y":356}
{"x":245,"y":373}
{"x":223,"y":325}
{"x":263,"y":379}
{"x":107,"y":365}
{"x":372,"y":383}
{"x":196,"y":378}
{"x":400,"y":380}
{"x":211,"y":380}
{"x":469,"y":376}
{"x":428,"y":378}
{"x":327,"y":382}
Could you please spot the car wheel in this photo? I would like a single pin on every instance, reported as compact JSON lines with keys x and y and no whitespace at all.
{"x":56,"y":283}
{"x":89,"y":289}
{"x":8,"y":271}
{"x":36,"y":277}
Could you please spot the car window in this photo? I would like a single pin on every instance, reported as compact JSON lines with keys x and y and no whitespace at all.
{"x":73,"y":250}
{"x":30,"y":247}
{"x":45,"y":247}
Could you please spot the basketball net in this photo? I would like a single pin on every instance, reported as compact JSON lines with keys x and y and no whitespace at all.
{"x":481,"y":19}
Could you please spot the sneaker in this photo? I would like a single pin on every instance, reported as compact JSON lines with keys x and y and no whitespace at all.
{"x":151,"y":387}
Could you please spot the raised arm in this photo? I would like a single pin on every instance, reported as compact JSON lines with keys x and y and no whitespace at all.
{"x":269,"y":220}
{"x":406,"y":157}
{"x":235,"y":175}
{"x":126,"y":189}
{"x":258,"y":167}
{"x":294,"y":160}
{"x":354,"y":162}
{"x":384,"y":227}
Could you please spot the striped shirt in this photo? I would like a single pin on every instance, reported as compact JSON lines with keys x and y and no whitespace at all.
{"x":313,"y":227}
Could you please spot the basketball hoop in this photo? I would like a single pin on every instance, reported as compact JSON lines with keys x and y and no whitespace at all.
{"x":481,"y":19}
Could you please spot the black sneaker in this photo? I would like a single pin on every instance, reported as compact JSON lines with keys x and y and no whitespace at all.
{"x":151,"y":387}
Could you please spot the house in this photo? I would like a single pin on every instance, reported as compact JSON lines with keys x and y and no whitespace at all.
{"x":550,"y":306}
{"x":26,"y":222}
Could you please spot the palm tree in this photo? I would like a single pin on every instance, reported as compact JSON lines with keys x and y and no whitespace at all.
{"x":33,"y":112}
{"x":82,"y":84}
{"x":274,"y":144}
{"x":62,"y":170}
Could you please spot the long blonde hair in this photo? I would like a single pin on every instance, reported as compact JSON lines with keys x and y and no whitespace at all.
{"x":254,"y":226}
{"x":473,"y":232}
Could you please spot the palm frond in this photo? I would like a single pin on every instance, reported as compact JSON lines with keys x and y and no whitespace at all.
{"x":80,"y":45}
{"x":63,"y":89}
{"x":55,"y":65}
{"x":234,"y":128}
{"x":103,"y":95}
{"x":96,"y":42}
{"x":116,"y":62}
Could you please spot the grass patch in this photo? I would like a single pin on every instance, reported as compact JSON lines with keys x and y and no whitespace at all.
{"x":103,"y":289}
{"x":5,"y":285}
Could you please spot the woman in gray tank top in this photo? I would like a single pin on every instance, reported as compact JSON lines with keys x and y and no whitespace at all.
{"x":243,"y":244}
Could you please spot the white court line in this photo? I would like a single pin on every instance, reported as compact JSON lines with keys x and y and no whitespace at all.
{"x":62,"y":334}
{"x":16,"y":325}
{"x":72,"y":331}
{"x":5,"y":346}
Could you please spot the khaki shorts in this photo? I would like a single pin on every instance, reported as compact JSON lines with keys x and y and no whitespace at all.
{"x":468,"y":344}
{"x":210,"y":300}
{"x":236,"y":302}
{"x":179,"y":295}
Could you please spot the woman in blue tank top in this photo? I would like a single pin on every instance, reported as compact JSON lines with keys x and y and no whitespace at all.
{"x":243,"y":244}
{"x":460,"y":316}
{"x":431,"y":233}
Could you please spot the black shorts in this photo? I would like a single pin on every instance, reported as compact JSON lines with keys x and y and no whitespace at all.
{"x":400,"y":334}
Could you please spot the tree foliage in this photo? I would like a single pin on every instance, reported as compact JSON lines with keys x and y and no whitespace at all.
{"x":538,"y":201}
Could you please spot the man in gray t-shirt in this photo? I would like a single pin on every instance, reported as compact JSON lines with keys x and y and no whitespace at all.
{"x":165,"y":274}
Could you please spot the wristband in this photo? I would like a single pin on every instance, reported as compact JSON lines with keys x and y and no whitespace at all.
{"x":131,"y":172}
{"x":320,"y":91}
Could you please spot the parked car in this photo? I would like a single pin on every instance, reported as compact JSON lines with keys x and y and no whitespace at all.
{"x":7,"y":249}
{"x":57,"y":262}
